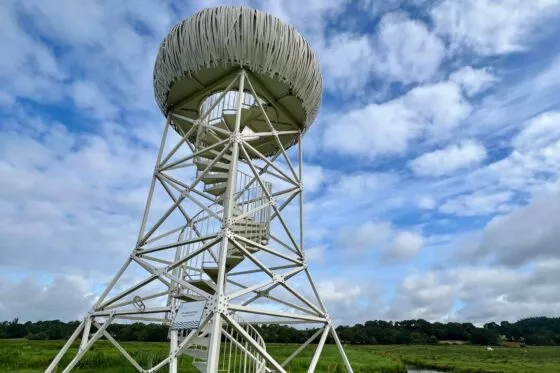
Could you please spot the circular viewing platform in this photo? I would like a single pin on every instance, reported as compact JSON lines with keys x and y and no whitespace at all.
{"x":203,"y":54}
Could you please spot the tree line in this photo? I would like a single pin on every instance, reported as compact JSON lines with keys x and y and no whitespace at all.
{"x":531,"y":331}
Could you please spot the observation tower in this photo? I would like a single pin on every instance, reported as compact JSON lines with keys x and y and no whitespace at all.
{"x":220,"y":253}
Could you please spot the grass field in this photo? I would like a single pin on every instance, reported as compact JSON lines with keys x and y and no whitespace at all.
{"x":34,"y":356}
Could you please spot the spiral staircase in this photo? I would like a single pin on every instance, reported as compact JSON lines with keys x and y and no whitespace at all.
{"x":236,"y":354}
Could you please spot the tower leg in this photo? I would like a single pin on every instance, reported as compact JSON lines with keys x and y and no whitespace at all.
{"x":52,"y":367}
{"x":232,"y":225}
{"x":85,"y":335}
{"x":172,"y":349}
{"x":341,"y":351}
{"x":216,"y":334}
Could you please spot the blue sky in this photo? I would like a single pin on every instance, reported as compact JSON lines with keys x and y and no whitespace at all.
{"x":432,"y":171}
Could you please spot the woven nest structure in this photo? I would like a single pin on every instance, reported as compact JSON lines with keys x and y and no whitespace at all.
{"x":200,"y":54}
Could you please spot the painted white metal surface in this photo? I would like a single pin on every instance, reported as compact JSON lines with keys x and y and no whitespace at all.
{"x":227,"y":36}
{"x":223,"y":255}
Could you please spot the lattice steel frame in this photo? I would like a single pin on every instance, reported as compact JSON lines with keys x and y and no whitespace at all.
{"x":221,"y":306}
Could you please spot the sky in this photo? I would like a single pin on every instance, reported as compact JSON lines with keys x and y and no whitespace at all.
{"x":432,"y":171}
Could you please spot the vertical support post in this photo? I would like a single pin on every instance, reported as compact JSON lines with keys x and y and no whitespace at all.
{"x":85,"y":335}
{"x":300,"y":175}
{"x":58,"y":357}
{"x":229,"y":200}
{"x":245,"y":351}
{"x":153,"y":184}
{"x":88,"y":345}
{"x":144,"y":217}
{"x":341,"y":350}
{"x":172,"y":349}
{"x":319,"y":349}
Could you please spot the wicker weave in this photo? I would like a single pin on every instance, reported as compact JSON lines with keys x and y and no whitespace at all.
{"x":223,"y":37}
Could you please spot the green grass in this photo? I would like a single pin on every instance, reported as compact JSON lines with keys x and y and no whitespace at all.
{"x":34,"y":356}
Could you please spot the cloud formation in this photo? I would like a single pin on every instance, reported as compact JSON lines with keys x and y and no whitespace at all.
{"x":431,"y":176}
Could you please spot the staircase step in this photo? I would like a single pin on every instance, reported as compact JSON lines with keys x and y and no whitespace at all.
{"x":246,"y":115}
{"x":212,"y":272}
{"x":222,"y":125}
{"x":233,"y":260}
{"x":216,"y":189}
{"x":214,"y":177}
{"x":212,"y":137}
{"x":201,"y":341}
{"x":253,"y":236}
{"x":204,"y":285}
{"x":196,"y":353}
{"x":186,"y":297}
{"x":242,"y":228}
{"x":214,"y":152}
{"x":200,"y":365}
{"x":259,"y":126}
{"x":247,"y":221}
{"x":202,"y":163}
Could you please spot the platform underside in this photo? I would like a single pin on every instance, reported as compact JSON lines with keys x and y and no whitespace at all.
{"x":283,"y":109}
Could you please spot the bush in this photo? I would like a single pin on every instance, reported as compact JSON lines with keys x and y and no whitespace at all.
{"x":41,"y":336}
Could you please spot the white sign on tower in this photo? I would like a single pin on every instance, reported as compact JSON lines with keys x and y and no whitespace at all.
{"x":188,"y":315}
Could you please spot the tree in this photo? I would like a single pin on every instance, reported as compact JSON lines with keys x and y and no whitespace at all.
{"x":482,"y":336}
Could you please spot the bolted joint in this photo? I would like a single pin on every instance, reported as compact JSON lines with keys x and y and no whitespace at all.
{"x":236,"y":138}
{"x":161,"y":271}
{"x":227,"y":222}
{"x":278,"y":278}
{"x":226,"y":232}
{"x":218,"y":304}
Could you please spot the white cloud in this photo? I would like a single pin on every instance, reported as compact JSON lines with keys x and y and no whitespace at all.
{"x":350,"y":301}
{"x":394,"y":244}
{"x":478,"y":203}
{"x":405,"y":245}
{"x":426,"y":202}
{"x":403,"y":50}
{"x":485,"y":294}
{"x":65,"y":298}
{"x":333,"y":292}
{"x":473,"y":81}
{"x":450,"y":159}
{"x":406,"y":50}
{"x":539,"y":132}
{"x":86,"y":95}
{"x":388,"y":128}
{"x":440,"y":107}
{"x":315,"y":253}
{"x":85,"y":189}
{"x":529,"y":233}
{"x":346,"y":60}
{"x":422,"y":296}
{"x":29,"y":68}
{"x":309,"y":17}
{"x":375,"y":129}
{"x":366,"y":236}
{"x":314,"y":177}
{"x":84,"y":192}
{"x":491,"y":26}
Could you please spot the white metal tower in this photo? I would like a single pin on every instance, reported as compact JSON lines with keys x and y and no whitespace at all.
{"x":221,"y":240}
